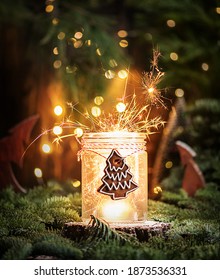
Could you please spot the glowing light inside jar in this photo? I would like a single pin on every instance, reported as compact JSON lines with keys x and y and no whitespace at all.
{"x":115,"y":210}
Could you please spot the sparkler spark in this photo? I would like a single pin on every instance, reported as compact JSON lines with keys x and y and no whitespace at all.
{"x":151,"y":79}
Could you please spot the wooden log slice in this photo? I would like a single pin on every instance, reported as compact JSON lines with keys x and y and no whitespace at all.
{"x":142,"y":231}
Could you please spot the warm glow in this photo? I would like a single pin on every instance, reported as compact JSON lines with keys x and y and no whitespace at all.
{"x":151,"y":90}
{"x":122,"y":74}
{"x":179,"y":92}
{"x":58,"y":110}
{"x":168,"y":164}
{"x":57,"y":130}
{"x":115,"y":210}
{"x":205,"y":66}
{"x":96,"y":111}
{"x":120,"y":107}
{"x":171,"y":23}
{"x":38,"y":172}
{"x":174,"y":56}
{"x":78,"y":132}
{"x":98,"y":100}
{"x":122,"y":33}
{"x":46,"y":148}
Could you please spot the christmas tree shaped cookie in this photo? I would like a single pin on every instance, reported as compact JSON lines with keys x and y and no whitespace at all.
{"x":117,"y":181}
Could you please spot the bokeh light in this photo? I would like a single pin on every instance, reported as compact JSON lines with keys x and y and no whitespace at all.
{"x":78,"y":131}
{"x":57,"y":130}
{"x":98,"y":100}
{"x":120,"y":107}
{"x":96,"y":111}
{"x":38,"y":172}
{"x":46,"y":148}
{"x":179,"y":92}
{"x":174,"y":56}
{"x":122,"y":74}
{"x":58,"y":110}
{"x":171,"y":23}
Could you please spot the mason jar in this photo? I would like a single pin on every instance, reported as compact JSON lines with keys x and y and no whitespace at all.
{"x":114,"y":176}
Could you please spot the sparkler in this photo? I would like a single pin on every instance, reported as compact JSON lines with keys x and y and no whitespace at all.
{"x":132,"y":114}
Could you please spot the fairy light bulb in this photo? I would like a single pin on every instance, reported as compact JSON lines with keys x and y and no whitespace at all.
{"x":58,"y":110}
{"x":98,"y":100}
{"x":120,"y":107}
{"x":46,"y":148}
{"x":96,"y":111}
{"x":38,"y":172}
{"x":78,"y":132}
{"x":157,"y":190}
{"x":57,"y":130}
{"x":122,"y":74}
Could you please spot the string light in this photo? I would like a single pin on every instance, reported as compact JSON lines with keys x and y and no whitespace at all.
{"x":46,"y":148}
{"x":78,"y":44}
{"x":120,"y":107}
{"x":113,"y":63}
{"x":205,"y":66}
{"x":55,"y":21}
{"x":109,"y":74}
{"x":98,"y":100}
{"x":122,"y":33}
{"x":58,"y":110}
{"x":76,"y":183}
{"x":78,"y":132}
{"x":88,"y":43}
{"x":179,"y":92}
{"x":171,"y":23}
{"x":57,"y":130}
{"x":123,"y":43}
{"x":174,"y":56}
{"x":55,"y":51}
{"x":96,"y":111}
{"x":169,"y":164}
{"x":61,"y":35}
{"x":78,"y":35}
{"x":38,"y":172}
{"x":122,"y":74}
{"x":49,"y":8}
{"x":157,"y":190}
{"x":98,"y":52}
{"x":57,"y":64}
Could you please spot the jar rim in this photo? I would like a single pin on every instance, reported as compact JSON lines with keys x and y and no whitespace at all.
{"x":114,"y":134}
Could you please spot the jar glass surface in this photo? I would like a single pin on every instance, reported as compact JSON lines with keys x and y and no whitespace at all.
{"x":96,"y":149}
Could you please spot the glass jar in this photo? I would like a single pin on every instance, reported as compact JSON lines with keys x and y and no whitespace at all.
{"x":115,"y":194}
